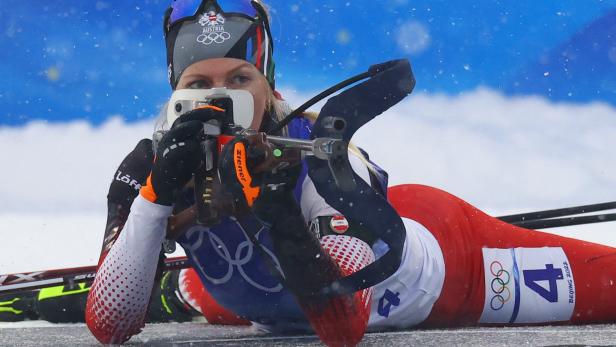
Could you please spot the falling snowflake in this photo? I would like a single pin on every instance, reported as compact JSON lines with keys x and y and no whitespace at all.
{"x":413,"y":37}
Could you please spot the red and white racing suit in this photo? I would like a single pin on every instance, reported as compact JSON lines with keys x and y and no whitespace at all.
{"x":459,"y":267}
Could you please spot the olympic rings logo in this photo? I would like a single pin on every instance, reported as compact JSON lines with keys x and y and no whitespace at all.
{"x":207,"y":38}
{"x":243,"y":255}
{"x":499,"y":287}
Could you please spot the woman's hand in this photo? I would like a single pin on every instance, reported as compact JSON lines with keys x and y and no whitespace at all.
{"x":177,"y":157}
{"x":265,"y":192}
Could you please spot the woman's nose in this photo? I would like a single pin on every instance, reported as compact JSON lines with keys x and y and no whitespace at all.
{"x":219,"y":83}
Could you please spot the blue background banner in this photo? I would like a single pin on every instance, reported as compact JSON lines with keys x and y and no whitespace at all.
{"x":65,"y":60}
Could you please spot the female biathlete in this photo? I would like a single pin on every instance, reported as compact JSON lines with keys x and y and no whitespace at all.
{"x":277,"y":244}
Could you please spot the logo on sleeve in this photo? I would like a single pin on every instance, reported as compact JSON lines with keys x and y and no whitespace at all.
{"x":128,"y":180}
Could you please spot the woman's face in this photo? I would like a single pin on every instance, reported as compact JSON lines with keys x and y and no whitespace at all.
{"x":231,"y":73}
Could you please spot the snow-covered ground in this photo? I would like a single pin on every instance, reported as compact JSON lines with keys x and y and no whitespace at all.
{"x":503,"y":155}
{"x":196,"y":334}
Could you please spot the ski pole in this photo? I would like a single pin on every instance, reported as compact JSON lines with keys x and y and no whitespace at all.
{"x":561,"y":212}
{"x":567,"y":221}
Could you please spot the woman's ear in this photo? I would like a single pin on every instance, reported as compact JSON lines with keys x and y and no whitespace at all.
{"x":278,"y":96}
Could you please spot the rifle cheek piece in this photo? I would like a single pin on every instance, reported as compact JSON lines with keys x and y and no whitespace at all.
{"x":239,"y":109}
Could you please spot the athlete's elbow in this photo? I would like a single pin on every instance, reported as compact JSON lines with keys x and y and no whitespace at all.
{"x":105,"y":321}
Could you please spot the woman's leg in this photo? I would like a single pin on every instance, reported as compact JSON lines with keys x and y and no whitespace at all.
{"x":533,"y":277}
{"x":193,"y":291}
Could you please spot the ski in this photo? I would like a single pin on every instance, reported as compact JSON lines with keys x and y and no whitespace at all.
{"x":69,"y":276}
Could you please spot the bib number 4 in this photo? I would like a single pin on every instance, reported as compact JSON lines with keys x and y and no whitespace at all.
{"x":388,"y":300}
{"x":540,"y":289}
{"x":550,"y":274}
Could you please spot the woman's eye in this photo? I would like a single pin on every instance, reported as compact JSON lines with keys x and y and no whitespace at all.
{"x":240,"y":79}
{"x":199,"y":84}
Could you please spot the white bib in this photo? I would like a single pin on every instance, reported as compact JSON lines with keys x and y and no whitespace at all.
{"x":527,"y":285}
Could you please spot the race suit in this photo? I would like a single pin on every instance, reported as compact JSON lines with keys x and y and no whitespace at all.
{"x":239,"y":276}
{"x":459,"y":266}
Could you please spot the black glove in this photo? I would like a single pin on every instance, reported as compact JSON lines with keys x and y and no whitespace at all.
{"x":268,"y":193}
{"x":177,"y":157}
